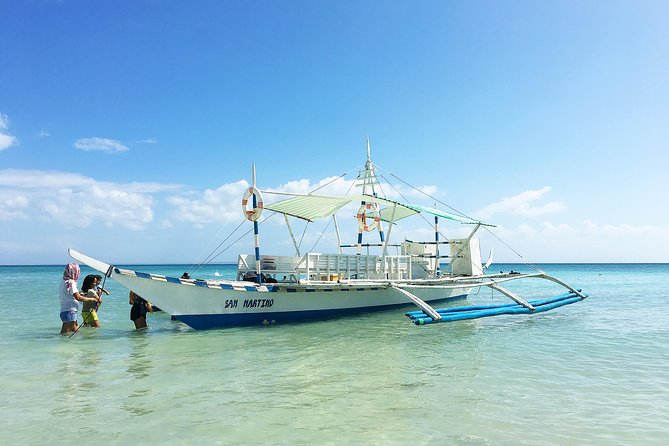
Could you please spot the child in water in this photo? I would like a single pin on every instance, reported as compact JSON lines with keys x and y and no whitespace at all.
{"x":89,"y":311}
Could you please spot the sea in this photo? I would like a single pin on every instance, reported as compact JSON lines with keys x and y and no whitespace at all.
{"x":592,"y":373}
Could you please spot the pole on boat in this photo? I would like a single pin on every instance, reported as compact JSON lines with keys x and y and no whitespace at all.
{"x":334,"y":218}
{"x":255,"y":228}
{"x":385,"y":245}
{"x":436,"y":239}
{"x":292,"y":236}
{"x":367,"y":181}
{"x":359,"y":250}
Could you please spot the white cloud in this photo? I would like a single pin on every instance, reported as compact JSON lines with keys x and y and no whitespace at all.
{"x":76,"y":200}
{"x":40,"y":179}
{"x":339,"y":186}
{"x":623,"y":230}
{"x":100,"y":144}
{"x":583,"y":241}
{"x":522,"y":204}
{"x":586,"y":229}
{"x":165,"y":224}
{"x":150,"y":188}
{"x":148,"y":141}
{"x":326,"y":186}
{"x":4,"y":122}
{"x":109,"y":206}
{"x":6,"y":140}
{"x":558,"y":230}
{"x":11,"y":208}
{"x":43,"y":134}
{"x":221,"y":205}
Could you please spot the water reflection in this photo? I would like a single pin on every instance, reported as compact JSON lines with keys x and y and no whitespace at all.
{"x":78,"y":394}
{"x":139,"y":370}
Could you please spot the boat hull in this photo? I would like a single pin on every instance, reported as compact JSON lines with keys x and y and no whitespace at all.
{"x":204,"y":304}
{"x":211,"y":304}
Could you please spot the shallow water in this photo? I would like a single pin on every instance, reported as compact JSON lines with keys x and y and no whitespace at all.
{"x":594,"y":372}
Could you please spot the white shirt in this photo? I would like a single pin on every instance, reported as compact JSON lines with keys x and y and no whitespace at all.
{"x":67,"y":300}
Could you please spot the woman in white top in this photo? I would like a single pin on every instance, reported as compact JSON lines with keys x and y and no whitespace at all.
{"x":70,"y":297}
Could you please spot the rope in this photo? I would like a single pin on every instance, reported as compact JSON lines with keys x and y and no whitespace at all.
{"x":526,"y":262}
{"x":207,"y":259}
{"x":192,"y":267}
{"x":338,"y":178}
{"x":233,"y":243}
{"x":319,"y":237}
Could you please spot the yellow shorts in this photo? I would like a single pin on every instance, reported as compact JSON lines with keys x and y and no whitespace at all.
{"x":90,"y":317}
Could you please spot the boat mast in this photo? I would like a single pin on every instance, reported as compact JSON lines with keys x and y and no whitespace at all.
{"x":367,"y":179}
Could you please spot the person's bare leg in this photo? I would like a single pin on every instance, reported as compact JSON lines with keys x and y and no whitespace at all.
{"x":140,"y":322}
{"x":69,"y":327}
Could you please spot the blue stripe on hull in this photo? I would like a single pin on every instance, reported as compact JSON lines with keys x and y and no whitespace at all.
{"x":207,"y":321}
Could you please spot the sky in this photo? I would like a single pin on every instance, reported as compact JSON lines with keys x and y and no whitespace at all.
{"x":128,"y":128}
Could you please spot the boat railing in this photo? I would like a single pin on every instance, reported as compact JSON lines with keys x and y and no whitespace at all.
{"x":276,"y":267}
{"x":328,"y":267}
{"x":333,"y":267}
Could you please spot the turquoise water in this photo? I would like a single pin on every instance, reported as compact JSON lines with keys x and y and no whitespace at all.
{"x":595,"y":372}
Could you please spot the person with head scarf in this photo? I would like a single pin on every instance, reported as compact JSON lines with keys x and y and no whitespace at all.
{"x":70,"y":297}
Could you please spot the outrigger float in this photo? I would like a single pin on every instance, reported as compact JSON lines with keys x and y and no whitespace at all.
{"x":273,"y":289}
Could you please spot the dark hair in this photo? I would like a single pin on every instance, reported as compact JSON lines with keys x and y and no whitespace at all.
{"x":89,"y":280}
{"x":99,"y":277}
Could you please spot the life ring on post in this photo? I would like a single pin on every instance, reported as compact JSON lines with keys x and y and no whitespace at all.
{"x":254,"y":213}
{"x":362,"y":217}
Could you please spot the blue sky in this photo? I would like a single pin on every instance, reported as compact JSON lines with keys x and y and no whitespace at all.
{"x":127,"y":128}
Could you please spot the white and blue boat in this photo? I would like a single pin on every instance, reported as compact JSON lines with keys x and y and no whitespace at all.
{"x":276,"y":289}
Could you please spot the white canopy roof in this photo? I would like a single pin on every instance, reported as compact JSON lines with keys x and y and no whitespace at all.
{"x":314,"y":207}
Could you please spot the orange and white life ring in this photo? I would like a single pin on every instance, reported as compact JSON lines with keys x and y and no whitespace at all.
{"x":252,"y":214}
{"x":362,"y":217}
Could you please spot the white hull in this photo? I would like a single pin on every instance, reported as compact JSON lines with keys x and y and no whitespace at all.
{"x":209,"y":304}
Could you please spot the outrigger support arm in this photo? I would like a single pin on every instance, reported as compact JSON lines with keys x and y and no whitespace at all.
{"x":573,"y":290}
{"x":519,"y":300}
{"x":494,"y":285}
{"x":420,"y":303}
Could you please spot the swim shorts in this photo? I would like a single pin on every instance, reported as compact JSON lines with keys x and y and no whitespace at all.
{"x":138,"y":310}
{"x":68,"y":316}
{"x":90,"y":317}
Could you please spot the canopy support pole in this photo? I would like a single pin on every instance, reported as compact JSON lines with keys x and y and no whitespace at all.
{"x":292,"y":236}
{"x":336,"y":225}
{"x":385,"y":244}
